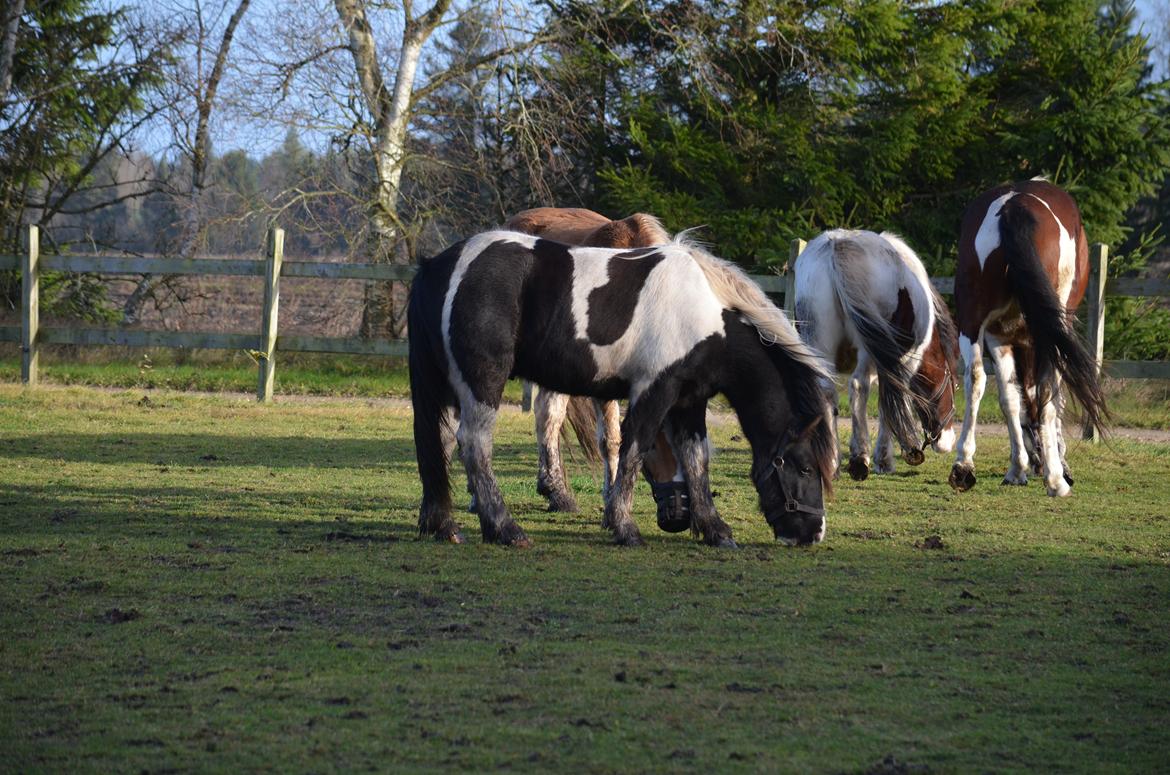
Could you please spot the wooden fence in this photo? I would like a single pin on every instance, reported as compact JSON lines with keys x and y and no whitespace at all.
{"x":268,"y":341}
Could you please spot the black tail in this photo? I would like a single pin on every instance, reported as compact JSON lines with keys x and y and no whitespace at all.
{"x":1057,"y":347}
{"x":430,"y":394}
{"x":895,"y":396}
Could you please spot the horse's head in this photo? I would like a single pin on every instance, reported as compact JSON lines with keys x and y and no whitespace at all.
{"x":791,"y":482}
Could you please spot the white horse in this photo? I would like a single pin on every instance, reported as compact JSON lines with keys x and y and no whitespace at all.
{"x":870,"y":292}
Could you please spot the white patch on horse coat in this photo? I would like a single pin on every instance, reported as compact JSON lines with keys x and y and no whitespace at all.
{"x":471,"y":251}
{"x":645,"y":350}
{"x":1067,"y":265}
{"x":873,"y":285}
{"x":987,"y":238}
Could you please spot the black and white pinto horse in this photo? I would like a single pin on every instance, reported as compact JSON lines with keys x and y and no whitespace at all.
{"x":665,"y":327}
{"x":589,"y":417}
{"x":1023,"y":269}
{"x":870,"y":293}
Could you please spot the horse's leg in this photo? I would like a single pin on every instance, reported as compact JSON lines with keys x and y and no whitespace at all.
{"x":435,"y":441}
{"x":1059,"y":397}
{"x":962,"y":476}
{"x":858,"y":400}
{"x":1010,"y":404}
{"x":883,"y":448}
{"x":687,"y":429}
{"x":609,"y":440}
{"x":644,"y":418}
{"x":550,"y":409}
{"x":476,"y":425}
{"x":1051,"y":443}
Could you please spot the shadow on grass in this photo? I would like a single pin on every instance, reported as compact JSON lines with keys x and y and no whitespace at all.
{"x":213,"y":450}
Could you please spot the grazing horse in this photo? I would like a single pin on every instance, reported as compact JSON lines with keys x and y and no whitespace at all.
{"x":585,"y":228}
{"x":1023,"y":268}
{"x":869,"y":292}
{"x":665,"y":327}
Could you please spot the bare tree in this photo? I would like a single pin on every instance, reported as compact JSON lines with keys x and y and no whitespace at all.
{"x":360,"y":80}
{"x":195,"y":86}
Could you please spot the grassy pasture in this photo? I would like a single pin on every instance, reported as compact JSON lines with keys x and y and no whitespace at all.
{"x":192,"y":582}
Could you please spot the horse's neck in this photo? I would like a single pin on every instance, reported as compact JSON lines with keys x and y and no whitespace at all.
{"x":756,"y":392}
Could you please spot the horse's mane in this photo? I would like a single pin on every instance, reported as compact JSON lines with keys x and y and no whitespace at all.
{"x":945,"y":329}
{"x":636,"y":231}
{"x":736,"y":291}
{"x":807,"y":388}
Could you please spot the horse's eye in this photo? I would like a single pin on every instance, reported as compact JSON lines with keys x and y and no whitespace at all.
{"x":806,"y":471}
{"x":778,"y":462}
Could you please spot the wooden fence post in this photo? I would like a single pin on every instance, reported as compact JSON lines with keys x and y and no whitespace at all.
{"x":794,"y":250}
{"x":1098,"y":265}
{"x":30,"y":308}
{"x":271,"y":309}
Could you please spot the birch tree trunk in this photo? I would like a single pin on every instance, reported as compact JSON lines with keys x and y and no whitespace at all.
{"x":384,"y":312}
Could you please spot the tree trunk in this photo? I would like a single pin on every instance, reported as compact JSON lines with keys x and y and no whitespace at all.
{"x":385,"y":303}
{"x":8,"y":47}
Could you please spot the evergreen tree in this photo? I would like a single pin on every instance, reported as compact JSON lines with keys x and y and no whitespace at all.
{"x":767,"y":120}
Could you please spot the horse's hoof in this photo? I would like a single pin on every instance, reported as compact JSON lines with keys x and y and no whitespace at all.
{"x":450,"y":535}
{"x":563,"y":502}
{"x":628,"y":538}
{"x":1061,"y":490}
{"x":962,"y":477}
{"x":858,"y":469}
{"x":1009,"y":481}
{"x":510,"y":535}
{"x":914,"y":457}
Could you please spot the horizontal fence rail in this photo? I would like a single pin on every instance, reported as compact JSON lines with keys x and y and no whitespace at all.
{"x":273,"y":268}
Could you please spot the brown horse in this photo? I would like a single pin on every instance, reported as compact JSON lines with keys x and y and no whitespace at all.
{"x":585,"y":228}
{"x":1023,"y":268}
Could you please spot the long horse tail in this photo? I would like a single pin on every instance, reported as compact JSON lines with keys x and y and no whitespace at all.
{"x":807,"y":376}
{"x":428,"y":386}
{"x":1058,"y":348}
{"x":583,"y":419}
{"x":886,"y":344}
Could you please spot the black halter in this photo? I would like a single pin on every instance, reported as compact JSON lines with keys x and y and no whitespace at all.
{"x":774,"y":467}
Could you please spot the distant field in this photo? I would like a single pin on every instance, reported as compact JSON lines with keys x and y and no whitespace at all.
{"x":198,"y":582}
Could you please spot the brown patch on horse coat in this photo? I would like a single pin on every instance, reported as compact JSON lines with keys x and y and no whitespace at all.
{"x":903,"y":320}
{"x":985,"y":290}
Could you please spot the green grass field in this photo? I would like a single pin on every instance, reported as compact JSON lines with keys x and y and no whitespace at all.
{"x":205,"y":583}
{"x":1134,"y":403}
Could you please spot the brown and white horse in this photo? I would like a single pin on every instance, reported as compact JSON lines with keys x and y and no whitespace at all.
{"x":586,"y":228}
{"x":858,"y":290}
{"x":1023,"y":268}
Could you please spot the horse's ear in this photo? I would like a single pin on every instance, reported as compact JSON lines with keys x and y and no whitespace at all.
{"x":805,"y":434}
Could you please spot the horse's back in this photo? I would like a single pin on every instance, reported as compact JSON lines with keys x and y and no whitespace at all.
{"x":570,"y":225}
{"x":1054,"y":231}
{"x":875,"y":271}
{"x":586,"y":228}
